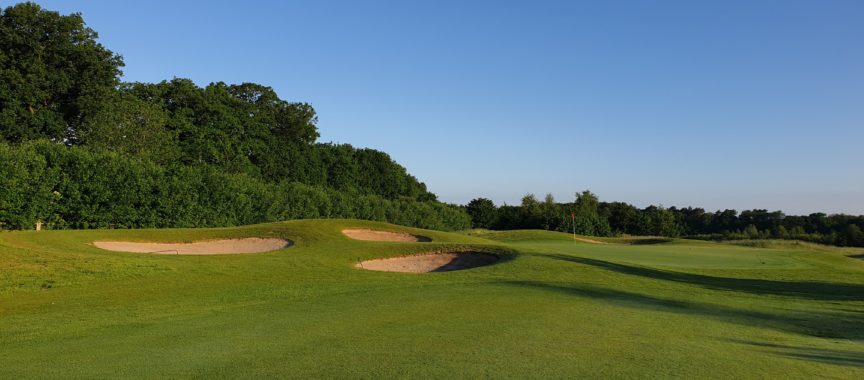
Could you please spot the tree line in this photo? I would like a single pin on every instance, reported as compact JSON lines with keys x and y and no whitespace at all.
{"x":588,"y":216}
{"x":58,"y":83}
{"x":80,"y":187}
{"x":83,"y":149}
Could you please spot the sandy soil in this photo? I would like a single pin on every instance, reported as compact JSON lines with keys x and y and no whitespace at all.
{"x":591,"y":241}
{"x":363,"y":234}
{"x":209,"y":247}
{"x":430,"y":262}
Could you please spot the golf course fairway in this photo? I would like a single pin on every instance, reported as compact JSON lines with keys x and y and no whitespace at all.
{"x":548,"y":307}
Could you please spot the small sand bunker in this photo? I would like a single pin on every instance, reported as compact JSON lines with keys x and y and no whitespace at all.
{"x":631,"y":241}
{"x":430,"y":262}
{"x":373,"y":235}
{"x":209,"y":247}
{"x":590,"y":241}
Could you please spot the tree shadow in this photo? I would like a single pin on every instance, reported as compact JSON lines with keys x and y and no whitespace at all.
{"x":649,"y":241}
{"x":819,"y":324}
{"x":821,"y":355}
{"x":800,"y":289}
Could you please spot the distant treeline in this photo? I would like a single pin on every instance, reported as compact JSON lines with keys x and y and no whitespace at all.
{"x":81,"y":149}
{"x":589,"y":216}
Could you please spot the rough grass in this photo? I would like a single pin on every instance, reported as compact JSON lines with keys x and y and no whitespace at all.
{"x":555,"y":309}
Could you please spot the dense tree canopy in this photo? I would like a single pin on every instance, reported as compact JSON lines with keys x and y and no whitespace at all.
{"x":53,"y":74}
{"x":482,"y":212}
{"x":588,"y":216}
{"x":60,"y":86}
{"x":82,"y":187}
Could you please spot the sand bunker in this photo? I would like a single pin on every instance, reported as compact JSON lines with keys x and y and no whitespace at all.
{"x":630,"y":241}
{"x":590,"y":241}
{"x":210,"y":247}
{"x":430,"y":262}
{"x":373,"y":235}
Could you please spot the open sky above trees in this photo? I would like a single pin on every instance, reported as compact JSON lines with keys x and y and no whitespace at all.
{"x":80,"y":148}
{"x":726,"y":105}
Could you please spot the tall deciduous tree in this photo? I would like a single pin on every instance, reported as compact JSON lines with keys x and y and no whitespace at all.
{"x":53,"y":74}
{"x":483,"y":212}
{"x":587,"y":218}
{"x":530,"y":211}
{"x":132,"y":126}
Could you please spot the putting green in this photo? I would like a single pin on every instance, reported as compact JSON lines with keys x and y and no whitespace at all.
{"x":553,"y":309}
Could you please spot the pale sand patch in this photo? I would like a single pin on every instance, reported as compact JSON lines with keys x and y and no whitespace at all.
{"x":430,"y":262}
{"x":209,"y":247}
{"x":373,"y":235}
{"x":591,"y":241}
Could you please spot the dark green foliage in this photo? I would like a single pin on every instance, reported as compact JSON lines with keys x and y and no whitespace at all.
{"x":583,"y":215}
{"x":379,"y":174}
{"x":79,"y":187}
{"x":586,"y":217}
{"x":482,"y":212}
{"x":530,"y":213}
{"x":659,"y":221}
{"x":131,"y":126}
{"x":589,"y":216}
{"x":549,"y":213}
{"x":53,"y":74}
{"x":852,"y":236}
{"x":838,"y":229}
{"x":171,"y":154}
{"x":247,"y":129}
{"x":622,"y":217}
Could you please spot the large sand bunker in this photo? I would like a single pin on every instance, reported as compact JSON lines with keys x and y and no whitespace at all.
{"x":209,"y":247}
{"x":430,"y":262}
{"x":373,"y":235}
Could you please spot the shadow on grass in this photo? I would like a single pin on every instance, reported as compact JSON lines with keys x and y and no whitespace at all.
{"x":821,"y":355}
{"x":859,"y":256}
{"x":800,"y":289}
{"x":648,"y":241}
{"x":821,"y":324}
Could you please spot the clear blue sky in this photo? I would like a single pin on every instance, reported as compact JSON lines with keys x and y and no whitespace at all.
{"x":721,"y":104}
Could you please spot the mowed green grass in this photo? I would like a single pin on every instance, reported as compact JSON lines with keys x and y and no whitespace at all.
{"x":552,"y":308}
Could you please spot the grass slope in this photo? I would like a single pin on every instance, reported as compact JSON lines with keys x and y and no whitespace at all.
{"x":555,"y":309}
